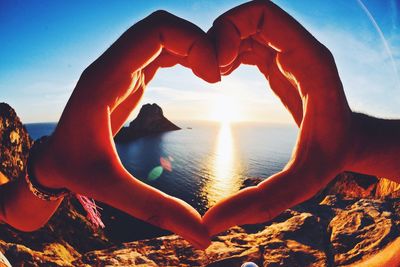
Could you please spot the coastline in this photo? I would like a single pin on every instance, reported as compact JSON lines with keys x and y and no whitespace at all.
{"x":327,"y":230}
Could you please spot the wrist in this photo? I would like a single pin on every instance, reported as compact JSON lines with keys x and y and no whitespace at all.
{"x":357,"y":142}
{"x":40,"y":178}
{"x":39,"y":175}
{"x":376,"y":146}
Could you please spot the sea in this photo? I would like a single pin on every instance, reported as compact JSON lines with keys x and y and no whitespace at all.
{"x":203,"y":162}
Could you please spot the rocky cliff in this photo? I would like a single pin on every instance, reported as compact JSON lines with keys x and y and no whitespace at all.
{"x":150,"y":120}
{"x":14,"y":144}
{"x":353,"y":219}
{"x":336,"y":228}
{"x":66,"y":235}
{"x":334,"y":232}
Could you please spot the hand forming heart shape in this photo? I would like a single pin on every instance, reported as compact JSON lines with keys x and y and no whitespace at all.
{"x":82,"y":156}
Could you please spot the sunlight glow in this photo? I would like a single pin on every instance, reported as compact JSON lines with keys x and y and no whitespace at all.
{"x":226,"y":109}
{"x":224,"y":153}
{"x":223,"y":182}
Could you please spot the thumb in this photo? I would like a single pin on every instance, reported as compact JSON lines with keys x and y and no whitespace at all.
{"x":203,"y":60}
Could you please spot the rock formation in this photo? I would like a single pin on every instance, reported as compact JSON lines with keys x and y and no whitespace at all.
{"x":150,"y":120}
{"x":356,"y":185}
{"x":387,"y":188}
{"x":351,"y":220}
{"x":66,"y":235}
{"x":14,"y":144}
{"x":334,"y":232}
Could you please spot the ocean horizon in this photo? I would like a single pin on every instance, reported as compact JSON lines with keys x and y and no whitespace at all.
{"x":203,"y":162}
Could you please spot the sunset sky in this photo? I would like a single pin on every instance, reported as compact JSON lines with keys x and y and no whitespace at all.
{"x":45,"y":45}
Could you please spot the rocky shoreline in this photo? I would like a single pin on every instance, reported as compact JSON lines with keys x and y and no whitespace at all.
{"x":351,"y":220}
{"x":335,"y":232}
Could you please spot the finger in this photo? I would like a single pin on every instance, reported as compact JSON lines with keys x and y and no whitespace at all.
{"x":168,"y":59}
{"x":265,"y":59}
{"x":246,"y":47}
{"x":123,"y":110}
{"x":91,"y":163}
{"x":275,"y":26}
{"x":286,"y":92}
{"x":241,"y":208}
{"x":300,"y":55}
{"x":121,"y":113}
{"x":227,"y":70}
{"x":164,"y":31}
{"x":313,"y":164}
{"x":185,"y":39}
{"x":251,"y":52}
{"x":187,"y":222}
{"x":135,"y":50}
{"x":227,"y":40}
{"x":268,"y":22}
{"x":264,"y":202}
{"x":247,"y":58}
{"x":254,"y":53}
{"x":164,"y":60}
{"x":110,"y":183}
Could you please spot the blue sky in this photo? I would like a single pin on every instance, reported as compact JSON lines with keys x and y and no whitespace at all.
{"x":45,"y":45}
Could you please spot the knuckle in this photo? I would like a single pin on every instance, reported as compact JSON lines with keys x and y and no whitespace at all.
{"x":311,"y":58}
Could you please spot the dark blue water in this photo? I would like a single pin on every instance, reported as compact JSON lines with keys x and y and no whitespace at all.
{"x":209,"y":160}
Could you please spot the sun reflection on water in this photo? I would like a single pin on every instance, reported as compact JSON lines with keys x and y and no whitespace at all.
{"x":224,"y":180}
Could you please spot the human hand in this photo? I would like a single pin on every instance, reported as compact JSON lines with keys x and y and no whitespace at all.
{"x":81,"y":154}
{"x":302,"y":73}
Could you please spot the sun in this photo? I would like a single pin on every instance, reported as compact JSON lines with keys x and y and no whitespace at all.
{"x":225,"y":109}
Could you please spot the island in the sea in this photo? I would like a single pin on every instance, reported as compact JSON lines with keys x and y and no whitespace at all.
{"x":150,"y":120}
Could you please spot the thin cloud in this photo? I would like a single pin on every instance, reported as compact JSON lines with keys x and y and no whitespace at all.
{"x":383,"y":39}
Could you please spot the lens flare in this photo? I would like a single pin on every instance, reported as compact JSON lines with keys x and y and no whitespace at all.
{"x":155,"y":173}
{"x":166,"y":164}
